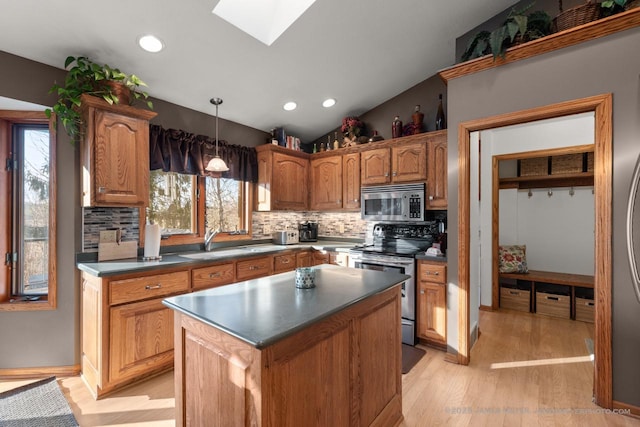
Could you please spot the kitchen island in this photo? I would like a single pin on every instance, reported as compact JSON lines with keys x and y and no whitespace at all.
{"x":264,"y":353}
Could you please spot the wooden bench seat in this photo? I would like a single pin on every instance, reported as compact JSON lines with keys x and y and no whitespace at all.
{"x":581,"y":280}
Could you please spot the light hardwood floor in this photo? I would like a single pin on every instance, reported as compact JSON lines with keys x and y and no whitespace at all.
{"x":525,"y":370}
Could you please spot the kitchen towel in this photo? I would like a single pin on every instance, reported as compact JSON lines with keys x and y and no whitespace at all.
{"x":152,"y":241}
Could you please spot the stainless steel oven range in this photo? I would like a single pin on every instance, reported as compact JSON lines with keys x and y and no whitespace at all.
{"x":394,"y":248}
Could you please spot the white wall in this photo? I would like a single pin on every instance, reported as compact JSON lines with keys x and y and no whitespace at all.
{"x":558,"y":230}
{"x":578,"y":129}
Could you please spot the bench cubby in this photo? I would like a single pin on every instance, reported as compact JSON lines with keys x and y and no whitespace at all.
{"x":548,"y":293}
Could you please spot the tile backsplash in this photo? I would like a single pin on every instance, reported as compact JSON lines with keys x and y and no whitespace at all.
{"x":95,"y":220}
{"x":330,"y":224}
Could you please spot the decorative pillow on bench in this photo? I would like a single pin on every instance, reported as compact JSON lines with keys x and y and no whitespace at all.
{"x":512,"y":259}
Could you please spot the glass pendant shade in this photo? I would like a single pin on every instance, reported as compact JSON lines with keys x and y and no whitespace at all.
{"x":216,"y":164}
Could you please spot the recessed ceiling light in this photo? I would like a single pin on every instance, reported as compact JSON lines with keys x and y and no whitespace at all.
{"x":290,"y":106}
{"x":328,"y":103}
{"x":151,"y":43}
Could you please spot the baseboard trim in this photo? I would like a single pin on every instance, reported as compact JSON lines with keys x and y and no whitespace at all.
{"x":45,"y":371}
{"x":486,"y":308}
{"x":635,"y":410}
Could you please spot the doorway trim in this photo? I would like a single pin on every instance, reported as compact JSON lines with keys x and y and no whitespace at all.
{"x":601,"y":105}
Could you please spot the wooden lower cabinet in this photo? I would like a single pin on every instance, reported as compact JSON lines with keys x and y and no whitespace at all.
{"x":432,"y":303}
{"x":284,"y":262}
{"x":141,"y":339}
{"x":254,"y":267}
{"x":212,"y":276}
{"x":127,"y":333}
{"x":303,"y":259}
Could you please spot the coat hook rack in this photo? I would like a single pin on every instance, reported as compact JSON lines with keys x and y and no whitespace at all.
{"x":572,"y":192}
{"x":549,"y":193}
{"x":530,"y":194}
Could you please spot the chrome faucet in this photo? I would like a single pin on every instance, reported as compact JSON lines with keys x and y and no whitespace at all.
{"x":208,"y":238}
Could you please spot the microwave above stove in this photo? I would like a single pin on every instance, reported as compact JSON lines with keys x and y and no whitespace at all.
{"x":405,"y":202}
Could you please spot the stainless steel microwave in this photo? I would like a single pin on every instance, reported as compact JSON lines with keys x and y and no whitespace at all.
{"x":404,"y":202}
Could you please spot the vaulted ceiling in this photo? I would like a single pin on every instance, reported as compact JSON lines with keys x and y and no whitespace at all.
{"x":360,"y":52}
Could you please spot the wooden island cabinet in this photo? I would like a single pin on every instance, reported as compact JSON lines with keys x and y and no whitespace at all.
{"x":115,"y":145}
{"x":286,"y":357}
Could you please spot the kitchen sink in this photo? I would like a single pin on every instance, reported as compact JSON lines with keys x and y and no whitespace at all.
{"x":231,"y":252}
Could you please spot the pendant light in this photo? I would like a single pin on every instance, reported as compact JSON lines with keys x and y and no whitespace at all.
{"x":216,"y":164}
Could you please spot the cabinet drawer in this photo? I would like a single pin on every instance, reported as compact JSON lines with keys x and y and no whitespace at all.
{"x":255,"y":267}
{"x":139,"y":288}
{"x":215,"y":275}
{"x":282,"y":263}
{"x":432,"y":272}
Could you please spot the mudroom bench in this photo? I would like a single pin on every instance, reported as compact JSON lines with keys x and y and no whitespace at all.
{"x":569,"y":296}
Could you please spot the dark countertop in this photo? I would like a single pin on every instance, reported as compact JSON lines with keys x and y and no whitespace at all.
{"x":263,"y":311}
{"x":435,"y":258}
{"x":124,"y":266}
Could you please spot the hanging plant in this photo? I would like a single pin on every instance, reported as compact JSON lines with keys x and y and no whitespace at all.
{"x":88,"y":77}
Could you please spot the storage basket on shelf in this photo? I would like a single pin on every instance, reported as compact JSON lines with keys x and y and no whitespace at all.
{"x":553,"y":304}
{"x":590,"y":161}
{"x":585,"y":309}
{"x":579,"y":15}
{"x":567,"y":163}
{"x":537,"y":166}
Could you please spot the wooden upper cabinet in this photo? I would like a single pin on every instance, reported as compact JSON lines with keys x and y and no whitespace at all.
{"x":409,"y":162}
{"x":326,"y":183}
{"x":351,"y":181}
{"x":375,"y":166}
{"x":437,"y":171}
{"x":115,"y":154}
{"x":406,"y":161}
{"x":282,"y":180}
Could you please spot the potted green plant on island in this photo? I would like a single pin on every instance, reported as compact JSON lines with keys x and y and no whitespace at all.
{"x":517,"y":28}
{"x":88,"y":77}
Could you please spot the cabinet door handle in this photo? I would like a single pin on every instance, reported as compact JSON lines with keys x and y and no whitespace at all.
{"x":151,"y":287}
{"x":355,"y":200}
{"x":339,"y":201}
{"x":285,"y":261}
{"x":102,"y":189}
{"x":430,"y":197}
{"x":421,"y":291}
{"x":214,"y":275}
{"x":386,"y":174}
{"x":432,"y":273}
{"x":395,"y":174}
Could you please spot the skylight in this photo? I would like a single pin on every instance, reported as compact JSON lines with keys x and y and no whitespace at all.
{"x":264,"y":20}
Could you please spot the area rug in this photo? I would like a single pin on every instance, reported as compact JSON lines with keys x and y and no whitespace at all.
{"x":410,"y":356}
{"x":39,"y":404}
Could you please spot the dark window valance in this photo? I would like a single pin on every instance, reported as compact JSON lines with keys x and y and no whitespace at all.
{"x":178,"y":151}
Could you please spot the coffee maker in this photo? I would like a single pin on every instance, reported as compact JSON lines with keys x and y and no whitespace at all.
{"x":308,"y":231}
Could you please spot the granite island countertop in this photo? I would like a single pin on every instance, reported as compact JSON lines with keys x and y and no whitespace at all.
{"x":263,"y":311}
{"x":132,"y":265}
